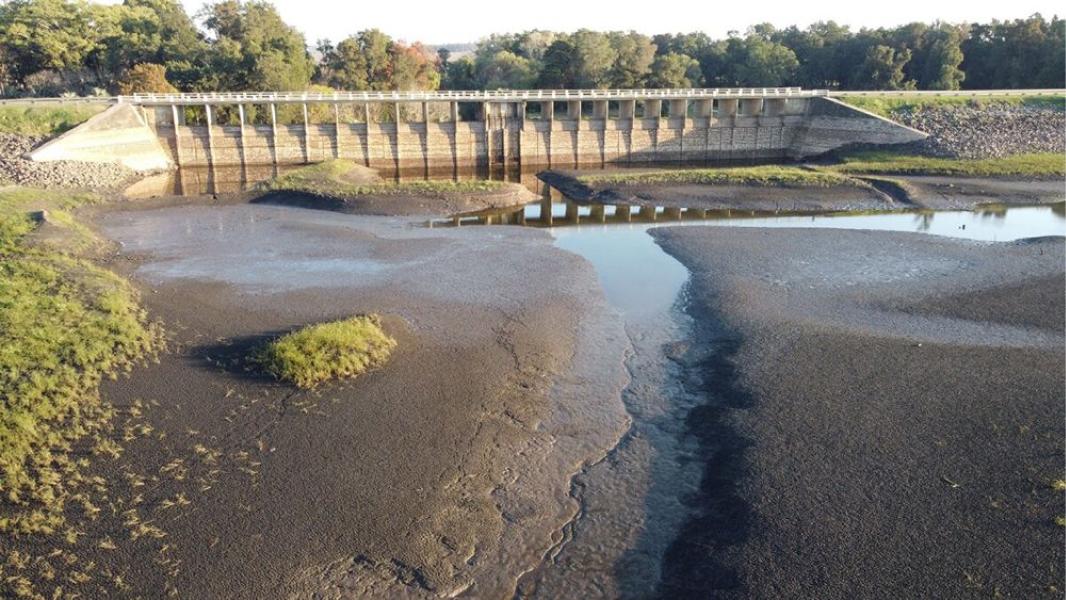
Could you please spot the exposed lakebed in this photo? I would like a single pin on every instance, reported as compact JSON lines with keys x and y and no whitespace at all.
{"x":628,"y":504}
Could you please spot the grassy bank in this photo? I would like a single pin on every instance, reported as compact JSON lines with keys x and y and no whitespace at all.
{"x":888,"y":162}
{"x":45,"y":119}
{"x":318,"y":353}
{"x":886,"y":105}
{"x":339,"y":178}
{"x":770,"y":175}
{"x":65,"y":324}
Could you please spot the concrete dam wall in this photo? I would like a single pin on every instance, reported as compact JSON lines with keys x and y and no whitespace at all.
{"x":462,"y":130}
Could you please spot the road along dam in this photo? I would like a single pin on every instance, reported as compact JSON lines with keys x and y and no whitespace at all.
{"x":440,"y":131}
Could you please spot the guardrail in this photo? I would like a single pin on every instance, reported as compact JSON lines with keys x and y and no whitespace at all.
{"x":512,"y":95}
{"x":468,"y":95}
{"x":961,"y":93}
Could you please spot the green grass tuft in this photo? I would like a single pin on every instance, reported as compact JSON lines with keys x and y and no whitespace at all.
{"x":1019,"y":165}
{"x":886,"y":105}
{"x":317,"y":353}
{"x":762,"y":175}
{"x":45,"y":119}
{"x":65,"y":324}
{"x":328,"y":179}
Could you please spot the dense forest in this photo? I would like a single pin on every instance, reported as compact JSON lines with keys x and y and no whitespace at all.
{"x":57,"y":47}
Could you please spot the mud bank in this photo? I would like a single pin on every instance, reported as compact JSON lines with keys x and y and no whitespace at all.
{"x":884,"y":415}
{"x":881,"y":192}
{"x":448,"y":470}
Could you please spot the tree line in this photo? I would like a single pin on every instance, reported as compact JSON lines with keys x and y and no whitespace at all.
{"x":55,"y":47}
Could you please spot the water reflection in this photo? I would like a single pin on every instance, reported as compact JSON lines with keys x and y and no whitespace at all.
{"x":988,"y":222}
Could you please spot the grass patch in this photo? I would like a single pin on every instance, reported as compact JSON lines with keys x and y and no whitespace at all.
{"x":771,"y":175}
{"x":886,"y":105}
{"x":318,"y":353}
{"x":331,"y":179}
{"x":1044,"y":164}
{"x":45,"y":119}
{"x":65,"y":324}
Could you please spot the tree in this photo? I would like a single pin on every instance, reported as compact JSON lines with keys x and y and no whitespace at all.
{"x":145,"y":78}
{"x":559,"y":67}
{"x":254,"y":49}
{"x":942,"y":62}
{"x":882,"y":68}
{"x":505,"y":70}
{"x":593,"y":59}
{"x":635,"y":54}
{"x":47,"y":34}
{"x":412,"y":68}
{"x":764,"y":63}
{"x":674,"y":70}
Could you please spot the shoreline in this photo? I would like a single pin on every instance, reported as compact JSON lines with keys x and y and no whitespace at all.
{"x":809,"y":467}
{"x":547,"y":447}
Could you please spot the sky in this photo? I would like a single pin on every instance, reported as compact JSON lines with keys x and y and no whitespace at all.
{"x":459,"y":21}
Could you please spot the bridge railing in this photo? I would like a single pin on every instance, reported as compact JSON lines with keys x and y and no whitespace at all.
{"x":469,"y":96}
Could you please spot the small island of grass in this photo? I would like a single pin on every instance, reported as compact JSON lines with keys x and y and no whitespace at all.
{"x":318,"y":353}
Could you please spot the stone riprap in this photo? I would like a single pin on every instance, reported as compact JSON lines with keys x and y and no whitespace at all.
{"x":989,"y":131}
{"x":16,"y":168}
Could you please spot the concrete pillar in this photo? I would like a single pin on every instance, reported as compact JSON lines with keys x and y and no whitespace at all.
{"x":425,"y":112}
{"x":679,"y":108}
{"x":244,"y":142}
{"x":773,"y":107}
{"x":366,"y":114}
{"x":455,"y":112}
{"x":599,"y":109}
{"x":572,"y":215}
{"x":573,"y":110}
{"x":486,"y":117}
{"x":751,"y":107}
{"x":307,"y":135}
{"x":336,"y":130}
{"x":626,"y":109}
{"x":597,"y":214}
{"x":274,"y":131}
{"x":547,"y":111}
{"x":396,"y":117}
{"x":727,"y":107}
{"x":653,"y":109}
{"x":177,"y":134}
{"x":546,"y":209}
{"x":704,"y":108}
{"x":647,"y":213}
{"x":621,"y":212}
{"x":210,"y":135}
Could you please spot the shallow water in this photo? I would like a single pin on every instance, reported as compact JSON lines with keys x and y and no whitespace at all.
{"x":633,"y":502}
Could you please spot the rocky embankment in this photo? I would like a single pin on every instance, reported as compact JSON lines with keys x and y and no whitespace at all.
{"x":991,"y":130}
{"x":18,"y":170}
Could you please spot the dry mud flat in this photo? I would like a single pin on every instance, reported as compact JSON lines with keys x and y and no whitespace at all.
{"x":884,"y":417}
{"x":446,"y":471}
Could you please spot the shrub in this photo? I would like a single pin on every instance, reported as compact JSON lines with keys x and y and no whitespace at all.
{"x":317,"y":353}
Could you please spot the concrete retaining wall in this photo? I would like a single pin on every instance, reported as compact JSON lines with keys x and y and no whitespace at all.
{"x":119,"y":134}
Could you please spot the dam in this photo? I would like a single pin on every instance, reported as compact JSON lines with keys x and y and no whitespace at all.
{"x":452,"y":130}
